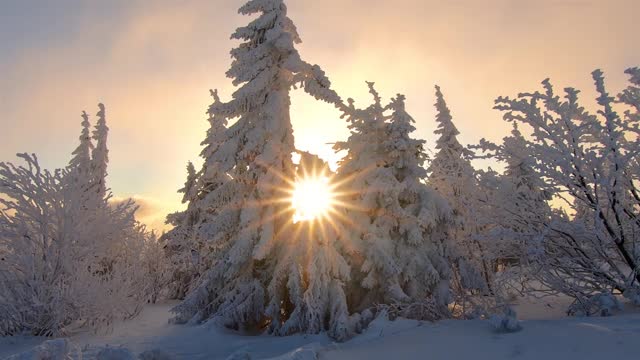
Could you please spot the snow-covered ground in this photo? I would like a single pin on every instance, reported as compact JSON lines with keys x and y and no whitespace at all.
{"x":546,"y":334}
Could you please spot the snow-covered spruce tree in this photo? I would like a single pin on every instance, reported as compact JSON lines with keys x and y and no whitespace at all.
{"x":359,"y":201}
{"x":244,"y":227}
{"x":453,"y":177}
{"x":527,"y":188}
{"x":81,"y":160}
{"x":156,"y":269}
{"x":424,"y":270}
{"x":100,"y":154}
{"x":392,"y":213}
{"x":310,"y":276}
{"x":179,"y":242}
{"x":192,"y":245}
{"x":588,"y":160}
{"x":98,"y":173}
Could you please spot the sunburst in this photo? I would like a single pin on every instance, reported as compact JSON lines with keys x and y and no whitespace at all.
{"x":312,"y":198}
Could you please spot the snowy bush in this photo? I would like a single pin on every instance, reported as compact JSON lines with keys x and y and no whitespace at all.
{"x":603,"y":304}
{"x":633,"y":295}
{"x":506,"y":322}
{"x":70,"y":257}
{"x":427,"y":309}
{"x":513,"y":208}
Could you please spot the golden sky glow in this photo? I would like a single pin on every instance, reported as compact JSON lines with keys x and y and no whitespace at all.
{"x":152,"y":63}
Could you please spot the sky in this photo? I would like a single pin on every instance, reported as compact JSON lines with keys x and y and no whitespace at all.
{"x":152,"y":64}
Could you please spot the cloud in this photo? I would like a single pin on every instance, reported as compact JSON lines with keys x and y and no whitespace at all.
{"x":151,"y":212}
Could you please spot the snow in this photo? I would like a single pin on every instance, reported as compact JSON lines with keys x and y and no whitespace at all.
{"x":151,"y":331}
{"x":110,"y":353}
{"x":589,"y":338}
{"x":553,"y":337}
{"x":57,"y":349}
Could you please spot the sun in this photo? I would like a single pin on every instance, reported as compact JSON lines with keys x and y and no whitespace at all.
{"x":312,"y":198}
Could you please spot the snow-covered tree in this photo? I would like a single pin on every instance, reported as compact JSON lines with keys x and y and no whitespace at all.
{"x":243,"y":227}
{"x":453,"y":177}
{"x":587,"y":160}
{"x":527,"y":187}
{"x":393,"y":215}
{"x":81,"y":156}
{"x":516,"y":204}
{"x":312,"y":273}
{"x":71,"y":257}
{"x":156,"y":268}
{"x":190,"y":190}
{"x":180,"y":244}
{"x":55,"y":235}
{"x":100,"y":154}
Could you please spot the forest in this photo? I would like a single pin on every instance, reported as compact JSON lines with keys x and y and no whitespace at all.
{"x":272,"y":240}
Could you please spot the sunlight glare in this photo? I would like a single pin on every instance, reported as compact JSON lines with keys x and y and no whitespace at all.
{"x":312,"y":198}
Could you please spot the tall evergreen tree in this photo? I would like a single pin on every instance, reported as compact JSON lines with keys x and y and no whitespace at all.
{"x":181,"y":247}
{"x":393,"y":213}
{"x":451,"y":175}
{"x":311,"y":275}
{"x":100,"y":154}
{"x":189,"y":190}
{"x":451,"y":161}
{"x":530,"y":196}
{"x":243,"y":224}
{"x":80,"y":163}
{"x":522,"y":197}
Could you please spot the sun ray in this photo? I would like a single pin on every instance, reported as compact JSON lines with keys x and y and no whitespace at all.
{"x":312,"y":197}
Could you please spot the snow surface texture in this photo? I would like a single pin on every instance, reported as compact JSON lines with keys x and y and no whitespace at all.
{"x":545,"y":334}
{"x":58,"y":349}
